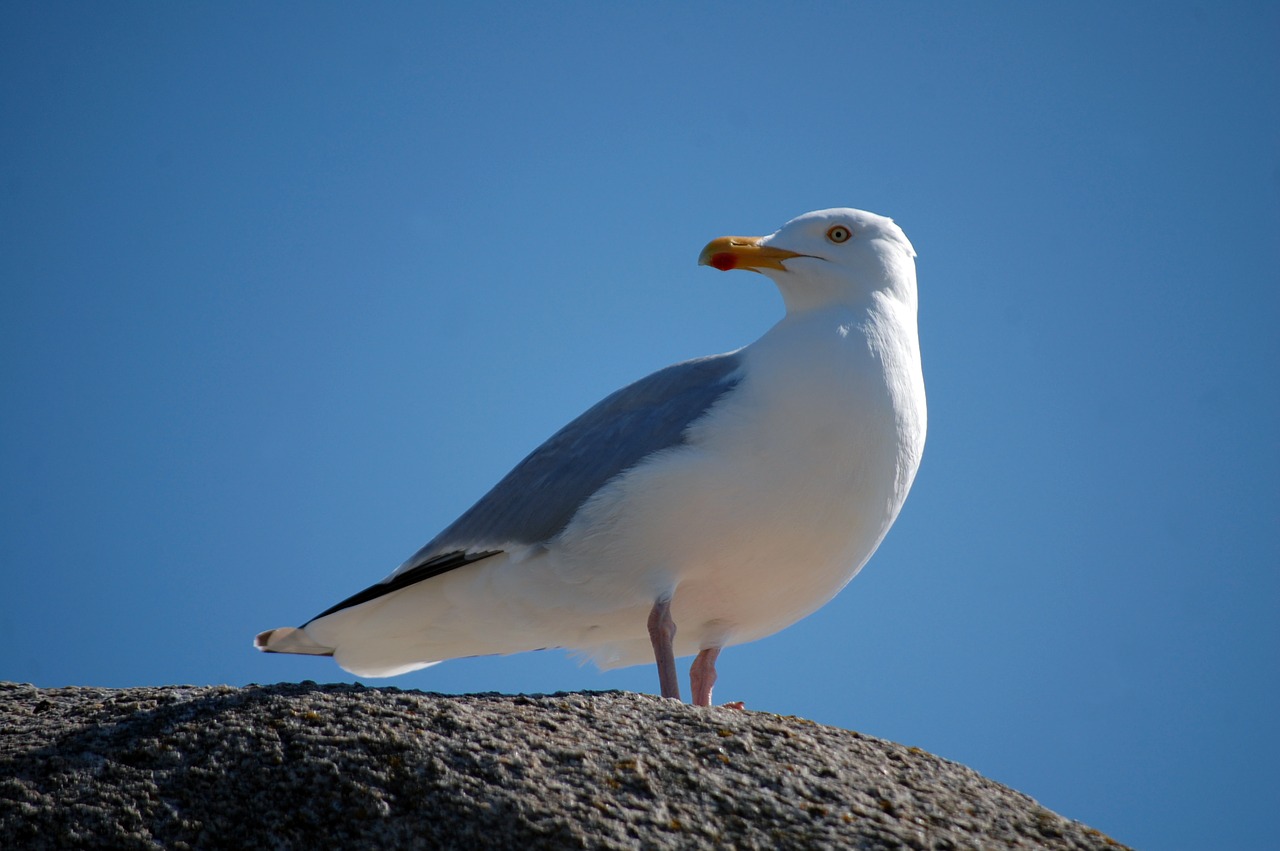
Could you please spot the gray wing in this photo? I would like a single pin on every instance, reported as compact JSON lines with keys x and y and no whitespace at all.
{"x":540,"y":496}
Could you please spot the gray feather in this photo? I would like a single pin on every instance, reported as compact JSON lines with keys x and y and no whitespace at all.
{"x":538,"y":498}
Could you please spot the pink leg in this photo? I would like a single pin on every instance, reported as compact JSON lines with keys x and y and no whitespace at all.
{"x":662,"y":631}
{"x":702,"y":675}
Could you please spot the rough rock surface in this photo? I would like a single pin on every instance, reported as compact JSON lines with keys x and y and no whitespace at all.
{"x":306,"y":765}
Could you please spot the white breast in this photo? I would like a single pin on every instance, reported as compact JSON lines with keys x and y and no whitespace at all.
{"x":781,"y":495}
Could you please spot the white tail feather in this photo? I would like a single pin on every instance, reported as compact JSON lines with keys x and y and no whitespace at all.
{"x":288,"y":639}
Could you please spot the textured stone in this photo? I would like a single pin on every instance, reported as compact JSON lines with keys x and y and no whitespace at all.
{"x":306,"y":765}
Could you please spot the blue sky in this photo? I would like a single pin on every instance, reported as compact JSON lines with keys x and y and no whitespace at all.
{"x":286,"y":287}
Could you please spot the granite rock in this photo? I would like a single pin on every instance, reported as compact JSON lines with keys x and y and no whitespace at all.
{"x":345,"y":766}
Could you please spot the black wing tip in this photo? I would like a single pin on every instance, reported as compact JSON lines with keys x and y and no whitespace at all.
{"x":432,"y":567}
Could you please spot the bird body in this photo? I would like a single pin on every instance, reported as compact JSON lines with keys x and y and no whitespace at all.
{"x":723,"y":498}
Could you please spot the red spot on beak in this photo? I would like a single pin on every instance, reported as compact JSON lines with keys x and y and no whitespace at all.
{"x":724,"y":261}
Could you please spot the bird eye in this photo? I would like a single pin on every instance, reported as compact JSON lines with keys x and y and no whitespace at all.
{"x":839,"y":233}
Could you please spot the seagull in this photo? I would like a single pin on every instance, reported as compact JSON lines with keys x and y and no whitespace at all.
{"x":712,"y":503}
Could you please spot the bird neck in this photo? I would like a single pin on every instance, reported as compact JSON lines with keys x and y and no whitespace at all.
{"x":814,"y":292}
{"x":816,"y":295}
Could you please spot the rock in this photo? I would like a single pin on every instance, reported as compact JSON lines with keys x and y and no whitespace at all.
{"x":344,"y":766}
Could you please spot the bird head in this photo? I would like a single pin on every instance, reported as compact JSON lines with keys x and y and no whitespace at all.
{"x":824,"y":257}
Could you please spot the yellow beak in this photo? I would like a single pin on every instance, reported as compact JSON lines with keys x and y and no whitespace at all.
{"x":744,"y":252}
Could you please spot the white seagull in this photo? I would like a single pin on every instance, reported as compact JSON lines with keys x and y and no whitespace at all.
{"x":712,"y":503}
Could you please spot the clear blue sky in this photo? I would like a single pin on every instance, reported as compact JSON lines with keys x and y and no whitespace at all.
{"x":287,"y":286}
